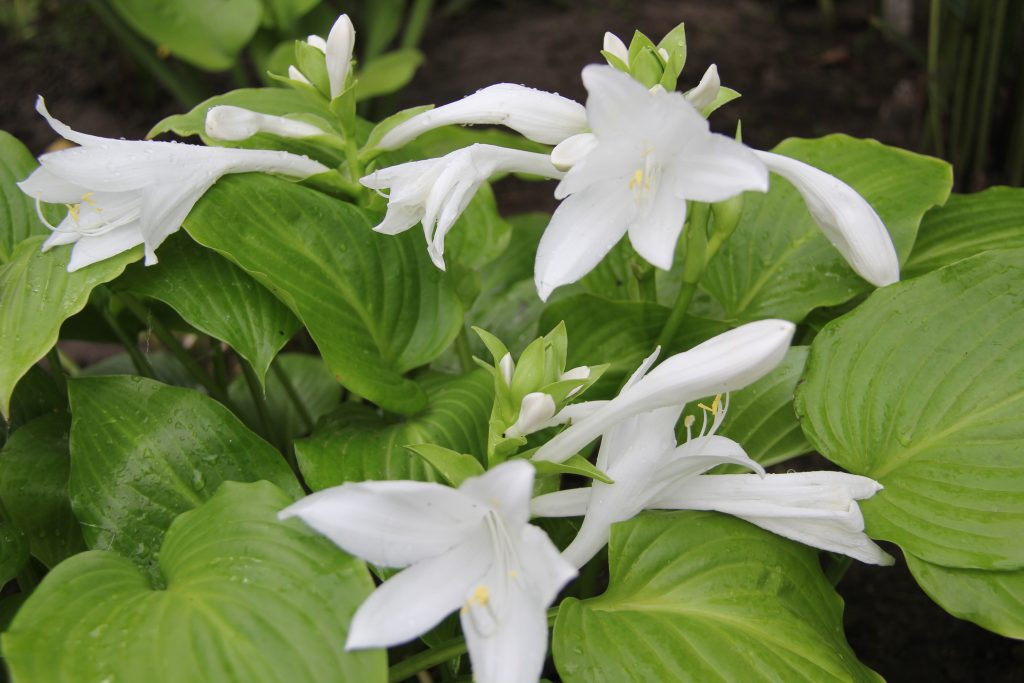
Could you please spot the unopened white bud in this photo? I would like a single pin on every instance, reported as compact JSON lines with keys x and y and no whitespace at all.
{"x":296,"y":75}
{"x":535,"y":413}
{"x":317,"y":42}
{"x":340,"y":43}
{"x":226,"y":122}
{"x":616,"y":47}
{"x":707,"y":90}
{"x":506,"y":366}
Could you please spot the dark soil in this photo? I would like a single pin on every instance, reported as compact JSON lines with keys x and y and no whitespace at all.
{"x":797,"y":79}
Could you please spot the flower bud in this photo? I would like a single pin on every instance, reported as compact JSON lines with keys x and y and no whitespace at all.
{"x":226,"y":122}
{"x":535,"y":413}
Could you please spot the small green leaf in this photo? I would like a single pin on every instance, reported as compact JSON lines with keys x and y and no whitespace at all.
{"x":374,"y":304}
{"x":34,"y":470}
{"x":454,"y":467}
{"x":724,"y":97}
{"x":387,"y":73}
{"x":206,"y":35}
{"x":37,"y":294}
{"x":386,"y":125}
{"x":18,"y":218}
{"x":313,"y":65}
{"x":966,"y":225}
{"x":239,"y":596}
{"x":143,"y":452}
{"x":577,"y":465}
{"x":697,"y":596}
{"x":921,"y":388}
{"x":356,"y":443}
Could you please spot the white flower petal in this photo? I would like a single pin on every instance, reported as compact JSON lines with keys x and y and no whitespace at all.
{"x":391,"y":523}
{"x":65,"y":131}
{"x":48,"y":187}
{"x":544,"y":566}
{"x":296,"y":75}
{"x":92,"y":249}
{"x":850,"y":223}
{"x":655,"y":233}
{"x":722,"y":364}
{"x":535,"y":412}
{"x":506,"y":488}
{"x":418,"y":598}
{"x":718,"y":168}
{"x":615,"y":100}
{"x":340,"y":43}
{"x":317,"y":42}
{"x":567,"y":503}
{"x":707,"y":90}
{"x":614,"y":45}
{"x":642,"y":369}
{"x":225,"y":122}
{"x":61,"y":237}
{"x":582,"y":230}
{"x":571,"y":150}
{"x":541,"y":116}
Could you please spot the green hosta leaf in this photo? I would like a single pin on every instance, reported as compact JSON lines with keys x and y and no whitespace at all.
{"x":18,"y":218}
{"x":622,"y":333}
{"x":240,"y":596}
{"x":313,"y":384}
{"x":375,"y":304}
{"x":779,"y":264}
{"x":143,"y":452}
{"x":387,"y":73}
{"x":761,"y":416}
{"x":207,"y":35}
{"x":993,"y":600}
{"x":700,"y":597}
{"x":37,"y":294}
{"x":166,"y":368}
{"x":480,"y":235}
{"x":921,"y":388}
{"x":34,"y":468}
{"x":966,"y":225}
{"x":14,"y":553}
{"x":356,"y":443}
{"x":36,"y":395}
{"x":284,"y":13}
{"x":454,"y":467}
{"x":383,"y":22}
{"x":218,"y":298}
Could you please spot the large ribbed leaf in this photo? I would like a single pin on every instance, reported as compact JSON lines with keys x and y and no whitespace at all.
{"x":357,"y":443}
{"x":375,"y":304}
{"x":34,"y":467}
{"x":144,"y":452}
{"x":778,"y":264}
{"x":218,"y":298}
{"x":37,"y":294}
{"x":698,"y":596}
{"x":240,"y":596}
{"x":922,"y":388}
{"x":966,"y":225}
{"x":621,"y":333}
{"x":18,"y":217}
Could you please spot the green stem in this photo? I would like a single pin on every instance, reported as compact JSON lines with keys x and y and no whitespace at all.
{"x":188,"y":94}
{"x":450,"y":649}
{"x":139,"y":360}
{"x":286,"y":383}
{"x":694,"y":261}
{"x":463,"y":351}
{"x":57,"y":371}
{"x":992,"y":76}
{"x":172,"y":344}
{"x":259,"y":401}
{"x":675,"y":318}
{"x":416,"y":23}
{"x":935,"y":101}
{"x":220,"y":365}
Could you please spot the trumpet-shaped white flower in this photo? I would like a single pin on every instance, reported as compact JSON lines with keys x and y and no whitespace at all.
{"x":849,"y":222}
{"x":654,"y":152}
{"x":725,"y":363}
{"x":226,"y":122}
{"x":122,"y":193}
{"x":541,"y":116}
{"x":650,"y":472}
{"x":469,"y":547}
{"x":435,"y":192}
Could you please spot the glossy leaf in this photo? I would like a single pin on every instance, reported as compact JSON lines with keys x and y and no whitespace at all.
{"x":374,"y":304}
{"x":778,"y":263}
{"x":356,"y":443}
{"x":37,"y":294}
{"x":18,"y":218}
{"x":217,"y":298}
{"x":142,"y":453}
{"x":700,"y":596}
{"x":621,"y":333}
{"x":480,"y":235}
{"x":993,"y":600}
{"x":310,"y":379}
{"x":239,"y":596}
{"x":921,"y":388}
{"x":36,"y":395}
{"x":966,"y":225}
{"x":204,"y":34}
{"x":34,"y":469}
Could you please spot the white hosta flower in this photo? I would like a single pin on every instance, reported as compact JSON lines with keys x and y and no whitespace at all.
{"x":654,"y":152}
{"x":650,"y":472}
{"x":725,"y":363}
{"x":541,"y":116}
{"x":225,"y":122}
{"x":435,"y":192}
{"x":122,"y":193}
{"x":849,"y":222}
{"x":535,"y":413}
{"x":468,"y":548}
{"x":338,"y":50}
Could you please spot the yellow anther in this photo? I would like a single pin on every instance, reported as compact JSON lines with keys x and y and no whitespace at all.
{"x":637,"y":179}
{"x":481,"y":596}
{"x":87,"y":198}
{"x":513,"y":574}
{"x":73,"y":211}
{"x":715,"y":405}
